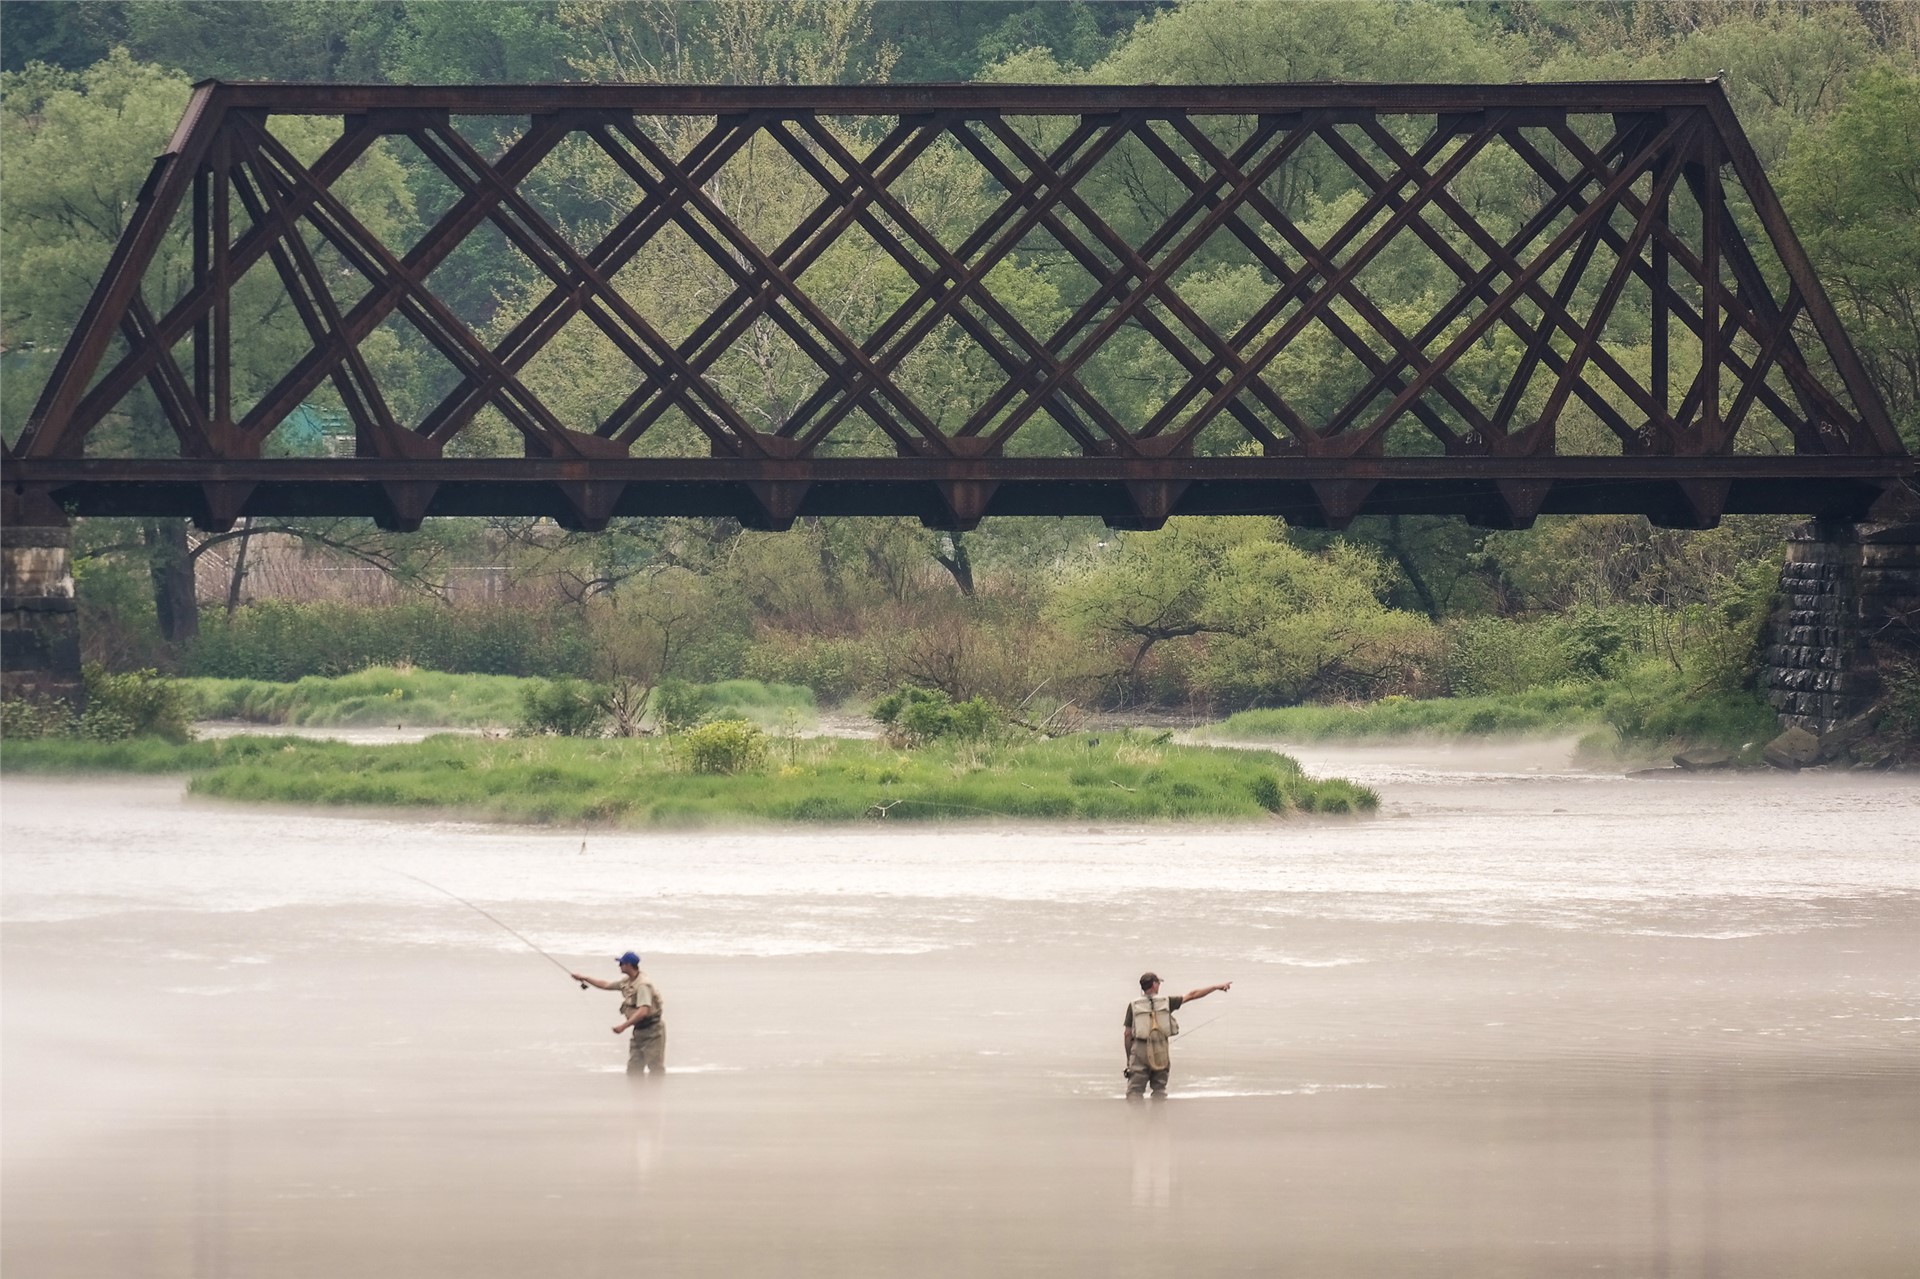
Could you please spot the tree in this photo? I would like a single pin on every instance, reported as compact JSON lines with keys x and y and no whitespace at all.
{"x":638,"y":639}
{"x":1853,"y":189}
{"x":289,"y":40}
{"x":1297,"y":626}
{"x":1154,"y":587}
{"x":1261,"y":619}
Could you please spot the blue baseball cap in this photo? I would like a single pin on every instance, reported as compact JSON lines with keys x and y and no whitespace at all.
{"x":629,"y":958}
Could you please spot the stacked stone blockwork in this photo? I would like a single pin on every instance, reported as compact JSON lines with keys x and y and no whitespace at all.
{"x":39,"y":630}
{"x":1850,"y":599}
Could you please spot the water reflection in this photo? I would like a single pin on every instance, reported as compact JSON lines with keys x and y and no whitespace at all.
{"x":1150,"y":1134}
{"x":647,"y":1125}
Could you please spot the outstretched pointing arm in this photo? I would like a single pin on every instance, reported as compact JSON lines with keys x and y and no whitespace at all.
{"x":1204,"y":991}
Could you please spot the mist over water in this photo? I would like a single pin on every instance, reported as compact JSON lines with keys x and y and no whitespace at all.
{"x":1529,"y":1021}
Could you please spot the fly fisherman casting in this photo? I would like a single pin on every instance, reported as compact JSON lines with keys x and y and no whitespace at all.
{"x":1149,"y":1028}
{"x":640,"y":1011}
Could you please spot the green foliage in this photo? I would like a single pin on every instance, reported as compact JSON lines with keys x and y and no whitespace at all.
{"x":1900,"y":680}
{"x":728,"y":746}
{"x":281,"y":640}
{"x":429,"y":699}
{"x":1242,"y":615}
{"x":565,"y":707}
{"x":1646,"y":710}
{"x":1853,"y":191}
{"x":25,"y":719}
{"x":134,"y":704}
{"x":641,"y":781}
{"x":752,"y":699}
{"x":679,"y":705}
{"x":917,"y":716}
{"x":118,"y":707}
{"x":377,"y":695}
{"x":1539,"y":711}
{"x":835,"y":667}
{"x":1656,"y":707}
{"x":1496,"y":655}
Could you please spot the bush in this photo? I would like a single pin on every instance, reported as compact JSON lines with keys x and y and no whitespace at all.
{"x":1900,"y":678}
{"x":679,"y":705}
{"x":834,"y":667}
{"x":564,"y":707}
{"x":1655,"y":707}
{"x":136,"y":704}
{"x":725,"y":746}
{"x":917,"y":716}
{"x":27,"y":719}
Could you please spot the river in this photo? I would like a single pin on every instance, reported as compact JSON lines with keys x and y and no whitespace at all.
{"x":1527,"y":1021}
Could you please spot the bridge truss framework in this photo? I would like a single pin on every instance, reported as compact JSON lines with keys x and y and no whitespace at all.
{"x":1748,"y":396}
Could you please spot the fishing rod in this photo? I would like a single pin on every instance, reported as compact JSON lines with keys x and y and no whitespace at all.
{"x":502,"y":923}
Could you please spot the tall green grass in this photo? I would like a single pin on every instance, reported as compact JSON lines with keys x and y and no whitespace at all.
{"x":433,"y":699}
{"x":377,"y":695}
{"x":1537,"y":711}
{"x":1116,"y":777}
{"x":1646,"y":709}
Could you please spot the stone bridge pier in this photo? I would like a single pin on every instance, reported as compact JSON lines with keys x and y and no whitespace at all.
{"x":39,"y":629}
{"x":1849,"y":601}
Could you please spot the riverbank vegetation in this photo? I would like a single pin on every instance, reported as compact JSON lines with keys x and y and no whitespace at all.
{"x":1642,"y":716}
{"x":1591,"y":624}
{"x":412,"y":698}
{"x":662,"y":782}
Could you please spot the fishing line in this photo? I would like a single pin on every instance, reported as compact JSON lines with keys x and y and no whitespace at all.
{"x":509,"y":927}
{"x":1203,"y":1025}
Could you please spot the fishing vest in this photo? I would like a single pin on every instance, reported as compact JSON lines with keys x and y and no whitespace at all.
{"x":1153,"y":1015}
{"x":636,"y":992}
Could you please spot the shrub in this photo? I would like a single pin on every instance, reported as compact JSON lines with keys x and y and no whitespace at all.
{"x":724,"y":746}
{"x":834,"y":667}
{"x":679,"y":705}
{"x":565,"y":707}
{"x":1900,"y":679}
{"x":1591,"y":643}
{"x":1490,"y":655}
{"x":917,"y":716}
{"x":29,"y":719}
{"x":136,"y":704}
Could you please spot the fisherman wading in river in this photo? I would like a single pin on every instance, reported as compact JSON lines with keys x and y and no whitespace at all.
{"x":640,"y":1011}
{"x":1149,"y":1028}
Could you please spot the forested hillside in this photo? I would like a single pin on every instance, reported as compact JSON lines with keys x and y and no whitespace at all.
{"x":1220,"y":614}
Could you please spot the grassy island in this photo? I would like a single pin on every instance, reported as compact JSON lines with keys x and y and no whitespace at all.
{"x":1123,"y":776}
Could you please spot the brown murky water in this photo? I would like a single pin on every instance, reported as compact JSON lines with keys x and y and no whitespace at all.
{"x":1528,"y":1022}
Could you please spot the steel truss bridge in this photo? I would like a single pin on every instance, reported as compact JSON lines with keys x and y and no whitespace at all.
{"x":1642,"y":334}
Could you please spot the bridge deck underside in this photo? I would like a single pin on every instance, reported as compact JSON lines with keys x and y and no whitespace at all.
{"x":1681,"y":493}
